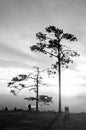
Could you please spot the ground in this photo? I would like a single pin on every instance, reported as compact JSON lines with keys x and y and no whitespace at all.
{"x":24,"y":120}
{"x":75,"y":122}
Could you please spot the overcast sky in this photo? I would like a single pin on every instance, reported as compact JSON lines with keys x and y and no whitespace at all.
{"x":20,"y":20}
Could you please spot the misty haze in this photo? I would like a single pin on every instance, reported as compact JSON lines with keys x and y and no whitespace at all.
{"x":42,"y":64}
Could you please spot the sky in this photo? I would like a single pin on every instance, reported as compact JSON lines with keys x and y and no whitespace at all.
{"x":20,"y":20}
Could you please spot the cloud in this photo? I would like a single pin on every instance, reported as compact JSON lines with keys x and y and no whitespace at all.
{"x":82,"y":85}
{"x":10,"y":52}
{"x":81,"y":97}
{"x":14,"y":64}
{"x":13,"y":57}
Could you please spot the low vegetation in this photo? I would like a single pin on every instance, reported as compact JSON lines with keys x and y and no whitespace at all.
{"x":25,"y":120}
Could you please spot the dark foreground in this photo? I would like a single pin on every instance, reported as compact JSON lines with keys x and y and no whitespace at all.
{"x":24,"y":120}
{"x":75,"y":122}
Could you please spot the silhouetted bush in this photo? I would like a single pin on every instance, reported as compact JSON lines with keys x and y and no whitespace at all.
{"x":6,"y":109}
{"x":15,"y":109}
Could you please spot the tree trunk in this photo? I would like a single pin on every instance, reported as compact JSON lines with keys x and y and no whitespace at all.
{"x":59,"y":76}
{"x":37,"y":93}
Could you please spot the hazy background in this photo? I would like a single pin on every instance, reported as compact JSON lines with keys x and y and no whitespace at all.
{"x":20,"y":20}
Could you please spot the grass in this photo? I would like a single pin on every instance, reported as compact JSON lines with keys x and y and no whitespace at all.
{"x":75,"y":122}
{"x":24,"y":120}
